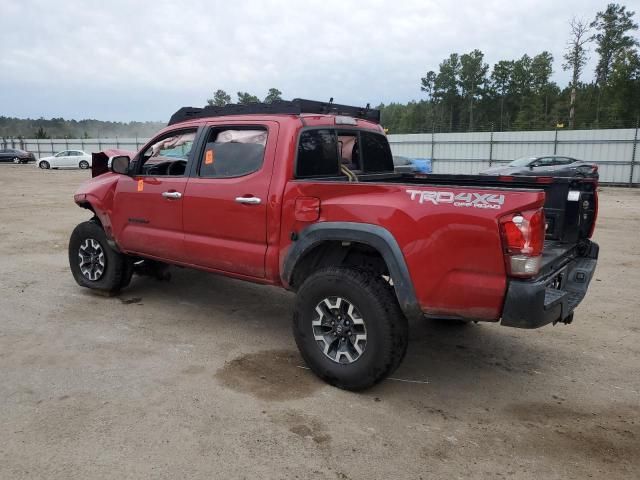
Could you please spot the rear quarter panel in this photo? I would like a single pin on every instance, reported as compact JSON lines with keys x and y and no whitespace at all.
{"x":454,"y":253}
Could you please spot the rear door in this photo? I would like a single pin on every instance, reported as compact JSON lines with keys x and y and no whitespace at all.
{"x":225,"y":203}
{"x":148,"y":204}
{"x":543,"y":166}
{"x":73,"y":159}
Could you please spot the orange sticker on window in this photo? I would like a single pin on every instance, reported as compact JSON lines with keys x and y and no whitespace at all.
{"x":140,"y":185}
{"x":208,"y":159}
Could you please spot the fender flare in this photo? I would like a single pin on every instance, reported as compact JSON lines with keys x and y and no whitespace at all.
{"x":374,"y":236}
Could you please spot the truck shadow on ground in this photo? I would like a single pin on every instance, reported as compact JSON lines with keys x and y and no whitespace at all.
{"x":440,"y":354}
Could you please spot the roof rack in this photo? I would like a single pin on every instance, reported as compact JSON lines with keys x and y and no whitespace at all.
{"x":289,"y":107}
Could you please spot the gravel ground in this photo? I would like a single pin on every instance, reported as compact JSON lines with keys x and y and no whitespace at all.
{"x":199,"y":377}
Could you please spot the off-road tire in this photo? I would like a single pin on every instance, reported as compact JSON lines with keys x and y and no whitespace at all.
{"x":117,"y":272}
{"x":386,"y":326}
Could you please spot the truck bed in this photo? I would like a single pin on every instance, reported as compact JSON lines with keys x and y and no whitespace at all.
{"x":570,"y":203}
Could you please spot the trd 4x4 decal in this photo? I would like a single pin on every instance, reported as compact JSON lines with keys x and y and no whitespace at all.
{"x":464,"y":199}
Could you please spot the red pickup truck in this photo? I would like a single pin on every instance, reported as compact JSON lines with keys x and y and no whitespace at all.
{"x":303,"y":195}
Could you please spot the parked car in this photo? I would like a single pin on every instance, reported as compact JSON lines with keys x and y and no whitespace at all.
{"x":403,"y":164}
{"x":66,"y":159}
{"x":16,"y":156}
{"x":546,"y":165}
{"x":364,"y":248}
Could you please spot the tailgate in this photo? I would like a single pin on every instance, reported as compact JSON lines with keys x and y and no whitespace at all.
{"x":571,"y":204}
{"x":571,"y":208}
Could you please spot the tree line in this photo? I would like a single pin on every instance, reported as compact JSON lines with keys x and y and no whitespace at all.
{"x":221,"y":98}
{"x":465,"y":94}
{"x":60,"y":128}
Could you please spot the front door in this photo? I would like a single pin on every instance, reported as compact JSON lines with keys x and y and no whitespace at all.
{"x":61,"y":160}
{"x":148,"y":205}
{"x":226,"y":200}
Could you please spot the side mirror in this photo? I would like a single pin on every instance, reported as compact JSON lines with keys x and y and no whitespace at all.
{"x":120,"y":164}
{"x":534,"y":164}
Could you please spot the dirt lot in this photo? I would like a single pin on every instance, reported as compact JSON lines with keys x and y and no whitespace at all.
{"x":200,"y":378}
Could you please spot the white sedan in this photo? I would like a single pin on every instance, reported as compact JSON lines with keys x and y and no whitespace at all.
{"x":66,"y":159}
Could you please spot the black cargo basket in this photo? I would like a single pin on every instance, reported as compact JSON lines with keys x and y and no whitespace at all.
{"x":287,"y":107}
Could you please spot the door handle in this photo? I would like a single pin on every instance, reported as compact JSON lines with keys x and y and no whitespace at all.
{"x":249,"y":200}
{"x":175,"y":195}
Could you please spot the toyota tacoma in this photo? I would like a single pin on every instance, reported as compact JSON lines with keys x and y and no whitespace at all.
{"x":303,"y":195}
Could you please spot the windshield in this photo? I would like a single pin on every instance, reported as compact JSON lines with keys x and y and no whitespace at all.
{"x":522,"y":161}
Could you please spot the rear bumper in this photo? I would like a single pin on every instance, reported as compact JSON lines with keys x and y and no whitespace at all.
{"x":552,"y":298}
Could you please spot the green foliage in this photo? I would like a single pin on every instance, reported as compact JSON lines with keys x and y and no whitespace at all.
{"x":612,"y":26}
{"x":428,"y":83}
{"x":273,"y":95}
{"x":245,"y":98}
{"x":220,"y":99}
{"x":518,"y":94}
{"x":473,"y":79}
{"x":42,"y":133}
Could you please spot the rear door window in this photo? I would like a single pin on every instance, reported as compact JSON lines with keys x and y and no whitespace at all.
{"x":318,"y":154}
{"x":376,"y":153}
{"x":233,"y":152}
{"x":325,"y":153}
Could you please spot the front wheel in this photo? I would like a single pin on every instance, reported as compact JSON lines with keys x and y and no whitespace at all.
{"x":44,"y":165}
{"x":16,"y":160}
{"x":83,"y":164}
{"x":349,"y":327}
{"x":94,"y":264}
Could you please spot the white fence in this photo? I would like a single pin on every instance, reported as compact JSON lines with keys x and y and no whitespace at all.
{"x":44,"y":148}
{"x":615,"y":151}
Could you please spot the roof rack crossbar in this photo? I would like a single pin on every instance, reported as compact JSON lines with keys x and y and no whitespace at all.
{"x":288,"y":107}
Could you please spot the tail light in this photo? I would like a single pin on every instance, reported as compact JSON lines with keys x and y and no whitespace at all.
{"x":523,"y":241}
{"x":591,"y":169}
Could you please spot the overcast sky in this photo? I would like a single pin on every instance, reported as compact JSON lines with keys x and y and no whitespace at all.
{"x":141,"y":60}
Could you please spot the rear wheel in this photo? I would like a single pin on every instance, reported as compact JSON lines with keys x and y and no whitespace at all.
{"x":94,"y":264}
{"x":44,"y":165}
{"x":83,"y":164}
{"x":349,"y":327}
{"x":16,"y":160}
